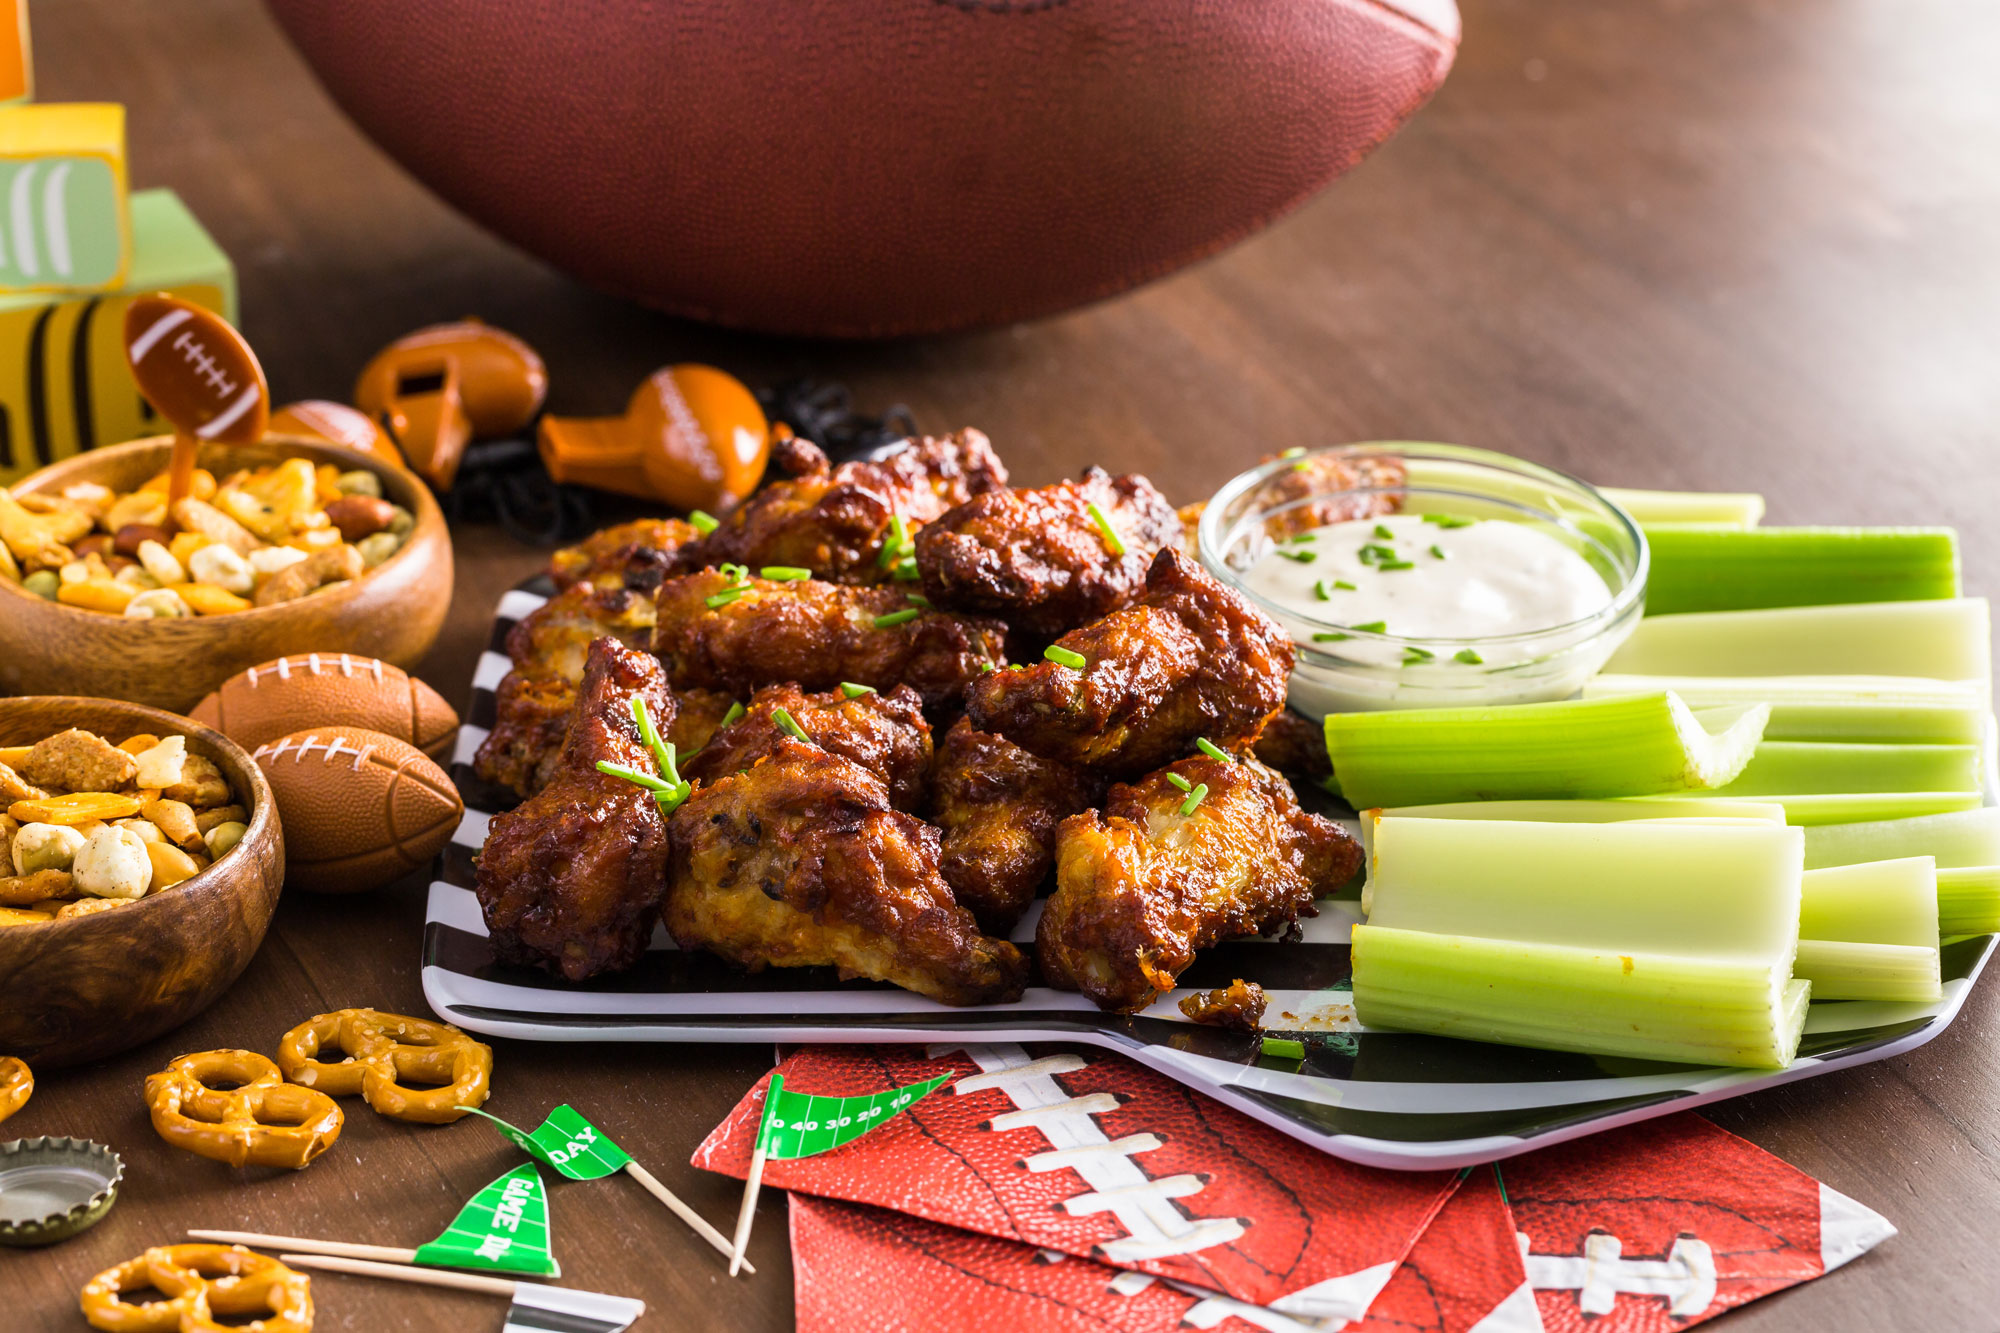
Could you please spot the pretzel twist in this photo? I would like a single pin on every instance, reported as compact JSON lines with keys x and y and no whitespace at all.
{"x":17,"y":1084}
{"x":200,"y":1282}
{"x":264,"y":1122}
{"x":381,"y":1050}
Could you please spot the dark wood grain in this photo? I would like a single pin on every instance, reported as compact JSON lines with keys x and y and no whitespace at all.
{"x":1676,"y":243}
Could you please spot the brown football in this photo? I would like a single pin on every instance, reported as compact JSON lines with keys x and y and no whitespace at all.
{"x":358,"y":808}
{"x":875,"y":167}
{"x":329,"y":690}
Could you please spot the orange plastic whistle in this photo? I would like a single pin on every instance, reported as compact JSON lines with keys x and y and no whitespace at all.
{"x":441,"y":387}
{"x":336,"y":423}
{"x":692,"y":437}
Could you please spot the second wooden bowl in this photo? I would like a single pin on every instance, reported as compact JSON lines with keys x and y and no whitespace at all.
{"x":394,"y":612}
{"x":82,"y":989}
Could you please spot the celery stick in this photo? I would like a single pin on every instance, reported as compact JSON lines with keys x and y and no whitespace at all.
{"x":1691,"y":811}
{"x":1961,"y":721}
{"x":1630,"y":746}
{"x":1840,"y":970}
{"x":1968,"y":839}
{"x":1652,"y":508}
{"x":1716,"y":568}
{"x":1875,"y":902}
{"x":1659,"y":1007}
{"x":1779,"y":691}
{"x":1968,"y":900}
{"x":1944,"y":640}
{"x":1813,"y":809}
{"x":1809,"y":768}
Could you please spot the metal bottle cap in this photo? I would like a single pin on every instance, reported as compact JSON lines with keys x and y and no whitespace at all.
{"x":52,"y":1189}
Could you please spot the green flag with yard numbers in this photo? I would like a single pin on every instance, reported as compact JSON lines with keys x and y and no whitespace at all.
{"x":566,"y":1143}
{"x":504,"y":1228}
{"x":801,"y":1124}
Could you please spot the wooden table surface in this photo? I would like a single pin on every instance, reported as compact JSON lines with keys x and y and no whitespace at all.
{"x":1681,"y":243}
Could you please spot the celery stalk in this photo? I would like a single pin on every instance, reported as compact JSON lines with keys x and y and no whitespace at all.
{"x":1813,"y":809}
{"x":1694,"y":810}
{"x":1629,"y":746}
{"x":1906,"y":710}
{"x":1650,"y":1006}
{"x":1944,"y":640}
{"x":1653,"y":508}
{"x":1968,"y":900}
{"x":1808,"y":768}
{"x":1874,"y":902}
{"x":1840,"y":970}
{"x":1971,"y":838}
{"x":1715,"y":568}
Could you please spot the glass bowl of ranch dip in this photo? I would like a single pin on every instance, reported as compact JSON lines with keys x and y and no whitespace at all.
{"x":1428,"y":575}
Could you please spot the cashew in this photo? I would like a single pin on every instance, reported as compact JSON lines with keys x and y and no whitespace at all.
{"x":160,"y":563}
{"x":222,"y":568}
{"x":212,"y":523}
{"x":158,"y":603}
{"x":113,"y":863}
{"x":45,"y":847}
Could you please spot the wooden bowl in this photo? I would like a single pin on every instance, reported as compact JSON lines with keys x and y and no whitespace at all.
{"x":92,"y":986}
{"x":393,"y":612}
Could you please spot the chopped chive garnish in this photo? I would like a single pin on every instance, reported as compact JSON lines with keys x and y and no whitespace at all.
{"x":1453,"y":521}
{"x":663,"y":752}
{"x":1305,"y":537}
{"x":1382,"y":531}
{"x":735,"y":711}
{"x":1303,"y":557}
{"x":1330,"y":636}
{"x":1343,"y":585}
{"x":1373,"y":552}
{"x":1319,"y":590}
{"x":905,"y":570}
{"x":1285,"y":1048}
{"x":897,"y":618}
{"x":734,"y":573}
{"x":1373,"y":627}
{"x":1467,"y":656}
{"x":725,"y":597}
{"x":853,"y":691}
{"x":1415,"y":654}
{"x":917,"y":599}
{"x":985,"y":667}
{"x":1388,"y":565}
{"x":1296,"y":451}
{"x":784,"y":573}
{"x":1180,"y":782}
{"x":1437,"y":551}
{"x":704,"y":522}
{"x":1112,"y":541}
{"x":634,"y":776}
{"x":1194,"y":799}
{"x":897,"y":544}
{"x":1062,"y":656}
{"x":789,"y":725}
{"x":1212,"y":750}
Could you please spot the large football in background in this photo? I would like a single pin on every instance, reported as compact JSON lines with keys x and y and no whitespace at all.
{"x":875,"y":167}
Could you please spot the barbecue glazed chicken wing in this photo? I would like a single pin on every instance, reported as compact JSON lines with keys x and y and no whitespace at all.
{"x":816,"y":634}
{"x":800,"y":862}
{"x":635,"y":554}
{"x":1190,"y":658}
{"x":1141,"y":887}
{"x":833,"y":520}
{"x":571,"y":880}
{"x":1039,"y":559}
{"x":885,"y":733}
{"x":1294,"y":745}
{"x":999,"y":806}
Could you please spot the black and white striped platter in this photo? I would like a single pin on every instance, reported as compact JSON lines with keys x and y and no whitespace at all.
{"x":1379,"y":1098}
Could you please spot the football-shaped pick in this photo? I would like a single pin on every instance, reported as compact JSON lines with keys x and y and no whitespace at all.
{"x":329,"y":690}
{"x":359,"y":808}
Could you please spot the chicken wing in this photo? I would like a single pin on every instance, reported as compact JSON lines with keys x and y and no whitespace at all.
{"x":1294,"y":745}
{"x":1190,"y":658}
{"x":571,"y":880}
{"x":1039,"y":559}
{"x":816,"y":635}
{"x":800,"y":862}
{"x":999,"y":806}
{"x":625,"y":554}
{"x":885,"y":733}
{"x":832,"y":520}
{"x":1141,"y":886}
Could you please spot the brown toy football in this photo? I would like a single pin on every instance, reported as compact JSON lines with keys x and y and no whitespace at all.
{"x":257,"y":706}
{"x":358,"y":808}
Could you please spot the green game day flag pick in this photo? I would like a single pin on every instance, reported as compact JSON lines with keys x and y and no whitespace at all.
{"x":571,"y":1146}
{"x":803,"y":1124}
{"x":504,"y":1228}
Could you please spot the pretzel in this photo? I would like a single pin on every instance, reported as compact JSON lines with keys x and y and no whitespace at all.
{"x":265,"y":1122}
{"x":384,"y":1049}
{"x":199,"y":1283}
{"x":17,"y":1084}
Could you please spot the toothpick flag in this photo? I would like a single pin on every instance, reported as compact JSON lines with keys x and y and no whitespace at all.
{"x":800,"y":1124}
{"x":504,"y":1228}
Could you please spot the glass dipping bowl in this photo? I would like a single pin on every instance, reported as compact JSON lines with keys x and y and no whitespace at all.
{"x":1370,"y":671}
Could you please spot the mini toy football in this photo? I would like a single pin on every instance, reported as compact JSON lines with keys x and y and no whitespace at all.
{"x":328,"y":690}
{"x":830,"y":167}
{"x":358,"y":808}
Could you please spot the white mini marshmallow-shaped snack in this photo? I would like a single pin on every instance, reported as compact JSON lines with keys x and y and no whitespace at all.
{"x":147,"y":830}
{"x":45,"y":847}
{"x":220,"y":567}
{"x":160,"y":562}
{"x":112,"y":863}
{"x":268,"y":560}
{"x":158,"y":603}
{"x":161,"y":766}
